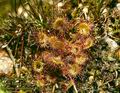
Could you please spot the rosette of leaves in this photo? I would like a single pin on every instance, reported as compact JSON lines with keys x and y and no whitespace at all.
{"x":64,"y":56}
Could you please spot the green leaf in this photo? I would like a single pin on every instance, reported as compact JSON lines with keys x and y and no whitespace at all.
{"x":15,"y":4}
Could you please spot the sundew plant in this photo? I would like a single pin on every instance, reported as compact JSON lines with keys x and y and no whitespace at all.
{"x":59,"y":46}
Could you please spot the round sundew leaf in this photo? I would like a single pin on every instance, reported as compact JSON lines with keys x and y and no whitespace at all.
{"x":74,"y":70}
{"x":37,"y":66}
{"x":58,"y":23}
{"x":84,"y":29}
{"x":88,"y":43}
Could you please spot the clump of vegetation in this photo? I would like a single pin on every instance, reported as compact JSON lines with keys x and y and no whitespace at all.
{"x":61,"y":46}
{"x":63,"y":53}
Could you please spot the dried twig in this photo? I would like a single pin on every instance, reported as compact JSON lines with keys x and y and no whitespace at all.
{"x":13,"y":59}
